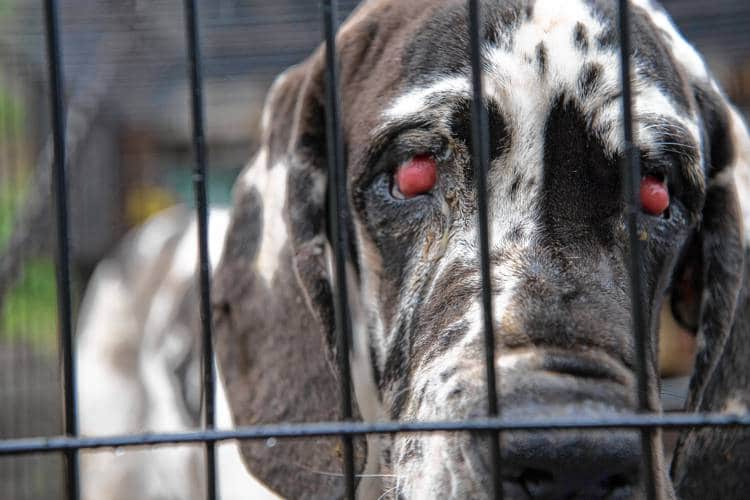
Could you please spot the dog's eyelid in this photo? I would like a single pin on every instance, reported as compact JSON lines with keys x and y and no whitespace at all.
{"x":407,"y":145}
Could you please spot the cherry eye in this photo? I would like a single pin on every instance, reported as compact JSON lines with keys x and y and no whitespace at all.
{"x":416,"y":176}
{"x":654,"y":195}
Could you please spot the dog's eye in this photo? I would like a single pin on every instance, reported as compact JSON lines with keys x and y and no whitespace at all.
{"x":654,"y":195}
{"x":416,"y":176}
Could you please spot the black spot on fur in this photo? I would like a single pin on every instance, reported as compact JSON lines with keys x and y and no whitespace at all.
{"x":516,"y":234}
{"x":456,"y":393}
{"x":514,"y":186}
{"x":581,"y":37}
{"x":377,"y":376}
{"x":399,"y":401}
{"x":607,"y":38}
{"x":446,"y":374}
{"x":589,"y":79}
{"x":719,"y":150}
{"x":441,"y":44}
{"x":541,"y":59}
{"x":242,"y":244}
{"x":444,"y":340}
{"x":412,"y":450}
{"x":530,"y":9}
{"x":396,"y":363}
{"x":499,"y":135}
{"x":422,"y":394}
{"x":581,"y":193}
{"x":653,"y":60}
{"x":492,"y":35}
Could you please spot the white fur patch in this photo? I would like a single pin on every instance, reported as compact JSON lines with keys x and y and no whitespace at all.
{"x":107,"y":302}
{"x":741,"y":168}
{"x":736,"y":406}
{"x":417,"y":100}
{"x":511,"y":361}
{"x":156,"y":232}
{"x":365,"y":388}
{"x":271,"y":185}
{"x":117,"y":398}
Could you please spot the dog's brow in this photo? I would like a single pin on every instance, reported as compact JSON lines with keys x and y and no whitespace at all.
{"x":416,"y":100}
{"x":671,"y":137}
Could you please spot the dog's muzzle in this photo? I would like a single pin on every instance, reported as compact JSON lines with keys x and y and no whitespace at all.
{"x":568,"y":464}
{"x":553,"y":464}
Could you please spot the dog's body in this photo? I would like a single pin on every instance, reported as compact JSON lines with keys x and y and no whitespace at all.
{"x":139,"y":359}
{"x":558,"y":249}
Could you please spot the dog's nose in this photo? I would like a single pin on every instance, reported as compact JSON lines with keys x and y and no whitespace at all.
{"x":573,"y":465}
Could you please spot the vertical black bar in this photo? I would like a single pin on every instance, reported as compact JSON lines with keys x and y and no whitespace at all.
{"x":631,"y":175}
{"x":60,"y":194}
{"x":201,"y":207}
{"x":338,"y":211}
{"x":480,"y":161}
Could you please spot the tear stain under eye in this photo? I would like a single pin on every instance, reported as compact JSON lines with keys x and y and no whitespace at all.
{"x":436,"y":244}
{"x":446,"y":200}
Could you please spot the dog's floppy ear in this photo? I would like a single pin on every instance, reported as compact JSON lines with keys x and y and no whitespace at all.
{"x":272,"y":294}
{"x":713,"y":263}
{"x":710,"y":461}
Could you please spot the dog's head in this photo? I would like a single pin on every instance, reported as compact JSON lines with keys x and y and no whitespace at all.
{"x":558,"y":246}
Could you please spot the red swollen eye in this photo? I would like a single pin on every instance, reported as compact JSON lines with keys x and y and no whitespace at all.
{"x":654,"y":195}
{"x":416,"y":176}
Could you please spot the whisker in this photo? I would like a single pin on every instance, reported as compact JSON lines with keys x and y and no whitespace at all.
{"x":387,"y":492}
{"x":339,"y":474}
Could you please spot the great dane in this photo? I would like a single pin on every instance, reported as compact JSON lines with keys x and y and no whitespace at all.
{"x":564,"y":342}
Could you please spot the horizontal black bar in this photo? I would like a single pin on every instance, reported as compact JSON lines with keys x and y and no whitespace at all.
{"x":335,"y":429}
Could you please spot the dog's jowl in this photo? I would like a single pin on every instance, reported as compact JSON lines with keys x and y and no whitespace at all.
{"x":558,"y":252}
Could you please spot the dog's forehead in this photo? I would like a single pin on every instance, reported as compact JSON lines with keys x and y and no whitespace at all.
{"x":535,"y":52}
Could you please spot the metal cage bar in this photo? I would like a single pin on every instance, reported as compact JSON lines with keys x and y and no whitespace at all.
{"x":631,"y":177}
{"x":338,"y":225}
{"x":480,"y":160}
{"x":338,"y":429}
{"x":60,"y":194}
{"x":201,"y":207}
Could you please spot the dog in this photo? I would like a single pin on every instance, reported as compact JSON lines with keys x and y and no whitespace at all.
{"x":558,"y":250}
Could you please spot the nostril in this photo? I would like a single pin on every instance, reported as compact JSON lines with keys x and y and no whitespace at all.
{"x":616,"y":483}
{"x":536,"y":476}
{"x":537,"y":483}
{"x":541,"y":484}
{"x":575,"y":465}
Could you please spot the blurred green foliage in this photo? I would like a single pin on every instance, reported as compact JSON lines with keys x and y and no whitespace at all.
{"x":30,"y":309}
{"x":12,"y":116}
{"x":12,"y":121}
{"x":9,"y":200}
{"x":6,"y":6}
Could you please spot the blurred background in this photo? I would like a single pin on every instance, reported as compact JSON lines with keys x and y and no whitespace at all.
{"x":130,"y":151}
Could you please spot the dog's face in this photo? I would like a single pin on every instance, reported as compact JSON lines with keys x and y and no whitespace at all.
{"x":558,"y":240}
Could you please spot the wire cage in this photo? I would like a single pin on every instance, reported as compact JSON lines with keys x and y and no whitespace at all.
{"x":70,"y":443}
